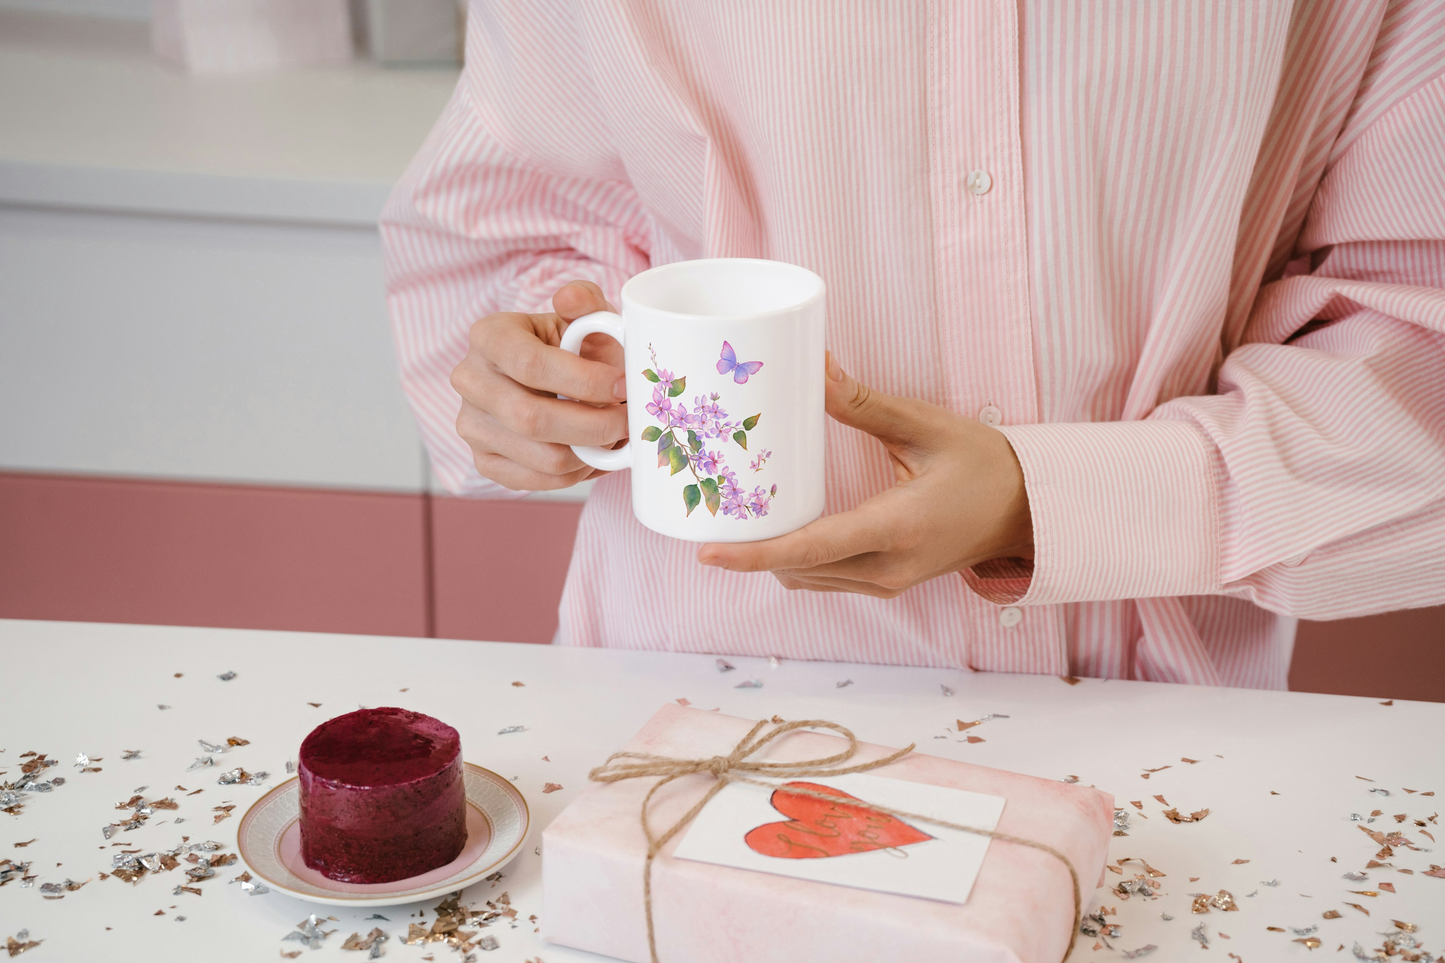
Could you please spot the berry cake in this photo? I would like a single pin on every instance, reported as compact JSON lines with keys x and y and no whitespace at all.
{"x":381,"y":796}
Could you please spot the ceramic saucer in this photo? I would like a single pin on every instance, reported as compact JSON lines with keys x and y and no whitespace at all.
{"x":269,"y":839}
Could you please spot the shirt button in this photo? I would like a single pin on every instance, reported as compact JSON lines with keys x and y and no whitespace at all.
{"x":990,"y":416}
{"x":978,"y":181}
{"x":1011,"y":616}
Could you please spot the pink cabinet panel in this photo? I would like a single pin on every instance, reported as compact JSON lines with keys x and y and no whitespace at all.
{"x":110,"y":550}
{"x":498,"y":567}
{"x":1397,"y":655}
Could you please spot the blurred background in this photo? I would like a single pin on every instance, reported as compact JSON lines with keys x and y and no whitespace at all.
{"x":200,"y":420}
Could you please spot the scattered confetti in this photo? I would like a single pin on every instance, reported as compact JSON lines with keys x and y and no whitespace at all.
{"x":683,"y":702}
{"x":1358,"y":907}
{"x":161,"y":707}
{"x":358,"y":942}
{"x":749,"y":684}
{"x":551,"y":787}
{"x":314,"y":705}
{"x":1071,"y":679}
{"x":1198,"y":934}
{"x":1333,"y":914}
{"x":20,"y":942}
{"x":511,"y":729}
{"x":1174,"y":816}
{"x":518,"y":684}
{"x":226,"y":676}
{"x":24,"y":844}
{"x":308,"y":933}
{"x":240,"y":777}
{"x":723,"y":665}
{"x":1313,"y":942}
{"x":1239,"y":862}
{"x":845,"y":682}
{"x":946,"y":690}
{"x":774,"y":661}
{"x":128,"y":754}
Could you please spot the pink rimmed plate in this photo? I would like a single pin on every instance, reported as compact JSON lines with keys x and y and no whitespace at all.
{"x":269,"y":839}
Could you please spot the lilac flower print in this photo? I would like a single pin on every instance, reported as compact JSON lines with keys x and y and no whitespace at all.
{"x":660,"y":407}
{"x":681,"y":436}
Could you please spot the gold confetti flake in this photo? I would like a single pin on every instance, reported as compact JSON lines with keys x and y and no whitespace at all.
{"x":24,"y":844}
{"x":1333,"y":915}
{"x":551,"y":787}
{"x":1405,"y":927}
{"x":1313,"y":942}
{"x":1358,"y":907}
{"x":1364,"y":892}
{"x":1387,"y":887}
{"x":1188,"y":760}
{"x":1175,"y":816}
{"x":1239,"y":862}
{"x":1071,"y":679}
{"x":238,"y":741}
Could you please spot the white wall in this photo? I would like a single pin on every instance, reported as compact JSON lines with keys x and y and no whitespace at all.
{"x":187,"y":348}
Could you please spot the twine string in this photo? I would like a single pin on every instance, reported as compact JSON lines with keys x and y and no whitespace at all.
{"x":730,"y":768}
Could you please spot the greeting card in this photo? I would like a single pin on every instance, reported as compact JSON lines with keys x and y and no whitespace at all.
{"x":845,"y":842}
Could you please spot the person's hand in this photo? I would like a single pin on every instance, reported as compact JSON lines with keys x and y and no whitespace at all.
{"x":518,"y":429}
{"x":958,"y":499}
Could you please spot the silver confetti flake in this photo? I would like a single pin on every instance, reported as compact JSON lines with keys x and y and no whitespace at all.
{"x":1144,"y":950}
{"x":723,"y":665}
{"x":511,"y":729}
{"x":240,"y":777}
{"x":1380,"y":792}
{"x":161,"y":707}
{"x":201,"y":763}
{"x":487,"y":943}
{"x":226,"y":676}
{"x":212,"y":746}
{"x":946,"y":690}
{"x":1356,"y":877}
{"x":1198,"y":934}
{"x":128,"y":754}
{"x":749,"y":684}
{"x":840,"y":685}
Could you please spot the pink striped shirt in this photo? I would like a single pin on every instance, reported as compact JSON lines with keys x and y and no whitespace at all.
{"x":1205,"y":288}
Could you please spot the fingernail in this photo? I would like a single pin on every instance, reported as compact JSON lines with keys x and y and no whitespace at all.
{"x":619,"y":390}
{"x":835,"y":372}
{"x":712,"y":560}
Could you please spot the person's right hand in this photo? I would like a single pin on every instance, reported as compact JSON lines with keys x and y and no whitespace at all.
{"x":518,"y":429}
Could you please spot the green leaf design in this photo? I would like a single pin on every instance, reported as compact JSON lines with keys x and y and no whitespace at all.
{"x":710,"y":495}
{"x":678,"y":458}
{"x":651,"y":433}
{"x":741,"y":437}
{"x":678,"y":387}
{"x":650,"y":375}
{"x":750,"y":423}
{"x":691,"y":497}
{"x":692,"y":440}
{"x":665,"y":440}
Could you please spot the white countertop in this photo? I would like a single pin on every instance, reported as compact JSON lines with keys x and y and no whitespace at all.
{"x":1280,"y":773}
{"x":89,"y":117}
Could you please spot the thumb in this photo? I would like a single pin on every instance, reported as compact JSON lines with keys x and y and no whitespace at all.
{"x":890,"y":419}
{"x":576,"y":298}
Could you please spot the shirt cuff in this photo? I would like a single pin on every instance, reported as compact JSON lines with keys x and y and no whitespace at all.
{"x":1121,"y":510}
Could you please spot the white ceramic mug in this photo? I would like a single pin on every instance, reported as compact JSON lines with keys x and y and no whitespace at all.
{"x":724,"y":361}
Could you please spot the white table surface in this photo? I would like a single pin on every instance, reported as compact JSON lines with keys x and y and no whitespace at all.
{"x":93,"y":688}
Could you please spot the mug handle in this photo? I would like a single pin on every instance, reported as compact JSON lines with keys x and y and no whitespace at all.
{"x":610,"y":324}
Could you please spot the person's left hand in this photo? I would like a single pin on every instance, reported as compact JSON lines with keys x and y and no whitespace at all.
{"x":958,"y":499}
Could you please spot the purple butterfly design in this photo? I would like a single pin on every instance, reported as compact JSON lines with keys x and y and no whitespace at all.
{"x":742,"y":370}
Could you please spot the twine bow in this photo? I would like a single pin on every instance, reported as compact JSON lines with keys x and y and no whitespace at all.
{"x":729,"y":768}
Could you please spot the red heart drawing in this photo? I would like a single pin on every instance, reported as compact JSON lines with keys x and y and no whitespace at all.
{"x":818,"y":828}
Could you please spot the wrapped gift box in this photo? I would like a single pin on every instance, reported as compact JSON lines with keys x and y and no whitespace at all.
{"x":1020,"y":911}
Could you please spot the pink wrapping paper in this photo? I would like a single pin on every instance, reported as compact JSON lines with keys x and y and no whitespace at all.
{"x":1021,"y":909}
